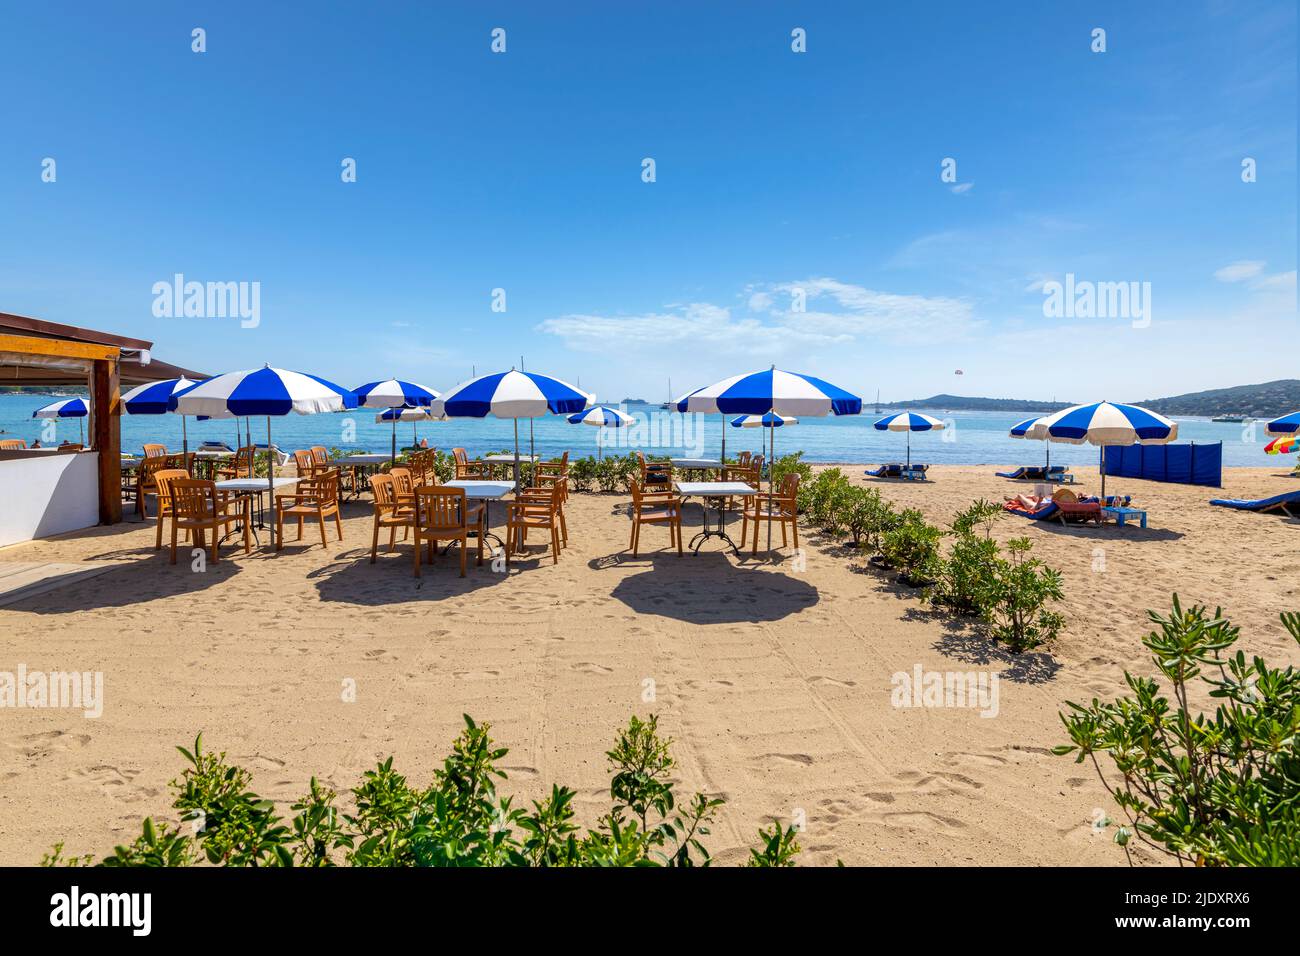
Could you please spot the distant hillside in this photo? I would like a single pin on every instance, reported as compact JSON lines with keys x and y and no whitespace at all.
{"x":959,"y":403}
{"x":1267,"y":400}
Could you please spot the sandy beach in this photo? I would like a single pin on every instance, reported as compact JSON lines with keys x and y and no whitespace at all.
{"x":772,"y":675}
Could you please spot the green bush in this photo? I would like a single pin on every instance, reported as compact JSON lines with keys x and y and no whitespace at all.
{"x":457,"y":820}
{"x":1208,"y":790}
{"x":1021,"y":587}
{"x":911,"y":547}
{"x":582,"y":473}
{"x":867,"y":517}
{"x":966,"y":575}
{"x":791,"y":465}
{"x":822,"y":500}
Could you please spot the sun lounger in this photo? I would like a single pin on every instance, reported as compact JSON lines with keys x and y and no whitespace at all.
{"x":906,"y":472}
{"x":1086,"y":509}
{"x":886,"y":471}
{"x":1024,"y":472}
{"x":1288,"y":503}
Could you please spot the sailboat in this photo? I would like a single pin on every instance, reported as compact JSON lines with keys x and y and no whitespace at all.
{"x":877,"y":401}
{"x":670,"y":404}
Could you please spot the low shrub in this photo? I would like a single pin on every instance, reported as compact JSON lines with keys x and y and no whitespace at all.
{"x":457,"y":820}
{"x":1020,"y":588}
{"x":1217,"y":789}
{"x":965,"y":577}
{"x":911,"y":547}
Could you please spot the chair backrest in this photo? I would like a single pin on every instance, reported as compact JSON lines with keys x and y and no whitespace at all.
{"x":154,"y":450}
{"x":743,"y":458}
{"x":184,"y":460}
{"x":402,"y":482}
{"x":304,"y":462}
{"x":244,"y":459}
{"x":381,"y":486}
{"x":193,"y":499}
{"x":322,"y":488}
{"x":12,"y":443}
{"x":149,"y":468}
{"x":164,"y":478}
{"x":790,"y":487}
{"x":440,"y":507}
{"x":461,"y":458}
{"x":321,"y":454}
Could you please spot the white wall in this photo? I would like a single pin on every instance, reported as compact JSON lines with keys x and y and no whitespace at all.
{"x":48,"y":494}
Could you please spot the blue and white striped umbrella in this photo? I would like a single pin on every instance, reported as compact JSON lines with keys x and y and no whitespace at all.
{"x":771,"y":390}
{"x":511,"y":394}
{"x":152,"y":398}
{"x":908,"y":422}
{"x":406,"y":413}
{"x":1286,"y":425}
{"x":601,"y":416}
{"x":65,"y":408}
{"x":393,"y":393}
{"x":264,"y":391}
{"x":770,"y":420}
{"x":1107,"y":423}
{"x":1036,"y":429}
{"x":1030,"y":428}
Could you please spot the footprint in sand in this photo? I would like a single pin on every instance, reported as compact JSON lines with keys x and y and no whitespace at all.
{"x":708,"y":684}
{"x":48,"y":742}
{"x":261,"y":762}
{"x":802,"y":760}
{"x":379,"y":654}
{"x":589,"y":667}
{"x":476,"y":675}
{"x":821,"y":681}
{"x":920,"y":820}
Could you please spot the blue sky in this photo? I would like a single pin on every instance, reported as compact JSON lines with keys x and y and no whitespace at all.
{"x":776,"y":171}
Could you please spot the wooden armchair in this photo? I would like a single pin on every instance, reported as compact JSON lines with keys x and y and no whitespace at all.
{"x":656,"y":476}
{"x":304,"y":463}
{"x":537,"y":509}
{"x":783,"y":509}
{"x":468,"y":470}
{"x":445,"y":513}
{"x":547,"y":473}
{"x":198,"y":507}
{"x":162,"y":481}
{"x":240,"y":466}
{"x":154,"y":450}
{"x":651,"y":508}
{"x":540,"y":496}
{"x":316,"y":497}
{"x":145,"y":482}
{"x":388,"y":514}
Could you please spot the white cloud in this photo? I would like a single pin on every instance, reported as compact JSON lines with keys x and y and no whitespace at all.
{"x":1240,"y":270}
{"x":835,"y":313}
{"x":961,"y":188}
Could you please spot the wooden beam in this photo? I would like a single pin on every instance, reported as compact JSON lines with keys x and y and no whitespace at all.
{"x":106,"y":437}
{"x":31,"y":345}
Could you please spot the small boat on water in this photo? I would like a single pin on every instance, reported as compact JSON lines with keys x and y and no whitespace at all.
{"x":1230,"y":418}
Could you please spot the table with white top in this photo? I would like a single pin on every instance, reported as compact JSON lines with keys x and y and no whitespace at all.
{"x":512,"y":460}
{"x":486,"y":492}
{"x":364,"y":462}
{"x":253,"y":489}
{"x":720,"y":491}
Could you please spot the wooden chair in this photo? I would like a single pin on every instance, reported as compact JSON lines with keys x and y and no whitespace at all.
{"x":442,"y":512}
{"x":198,"y":507}
{"x":241,"y":466}
{"x":743,"y":458}
{"x":388,"y":514}
{"x":784,"y":509}
{"x":540,"y":496}
{"x":547,"y":473}
{"x":181,"y":460}
{"x":1070,"y":508}
{"x":304,"y":463}
{"x":316,"y":497}
{"x":162,"y":481}
{"x":466,"y":469}
{"x":655,"y":508}
{"x":145,"y":484}
{"x":537,"y":509}
{"x":424,"y":466}
{"x":154,"y":450}
{"x":12,"y":443}
{"x":747,"y":474}
{"x":656,"y":476}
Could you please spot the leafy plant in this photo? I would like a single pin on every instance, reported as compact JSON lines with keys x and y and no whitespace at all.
{"x":966,"y":575}
{"x":911,"y":547}
{"x":1020,"y":589}
{"x":1217,"y":789}
{"x":867,"y":517}
{"x":458,"y":820}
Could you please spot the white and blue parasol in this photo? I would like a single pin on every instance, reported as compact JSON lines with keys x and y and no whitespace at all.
{"x":153,"y":398}
{"x":601,"y":416}
{"x":67,"y":408}
{"x":264,"y":391}
{"x":1109,"y":423}
{"x":1286,"y":425}
{"x":1035,"y":429}
{"x":908,"y":422}
{"x":406,"y":413}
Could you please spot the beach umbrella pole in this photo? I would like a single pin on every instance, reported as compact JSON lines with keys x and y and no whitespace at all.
{"x":393,"y":456}
{"x":185,"y":437}
{"x":516,"y":456}
{"x":909,"y":449}
{"x":270,"y":482}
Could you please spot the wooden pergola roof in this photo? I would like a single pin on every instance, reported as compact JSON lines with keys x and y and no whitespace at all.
{"x":49,"y":353}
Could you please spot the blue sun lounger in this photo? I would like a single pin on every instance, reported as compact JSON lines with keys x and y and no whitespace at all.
{"x":1288,"y":503}
{"x":907,"y":472}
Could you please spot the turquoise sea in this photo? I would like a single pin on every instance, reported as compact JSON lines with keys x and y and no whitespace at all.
{"x":971,"y":438}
